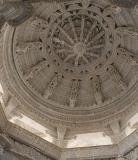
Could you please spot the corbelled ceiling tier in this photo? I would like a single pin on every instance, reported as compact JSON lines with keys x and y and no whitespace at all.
{"x":70,"y":64}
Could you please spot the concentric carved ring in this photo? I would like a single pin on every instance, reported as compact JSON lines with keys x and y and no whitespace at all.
{"x":80,"y":38}
{"x":69,"y":64}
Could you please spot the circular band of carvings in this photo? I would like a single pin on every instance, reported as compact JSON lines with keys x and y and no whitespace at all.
{"x":56,"y":114}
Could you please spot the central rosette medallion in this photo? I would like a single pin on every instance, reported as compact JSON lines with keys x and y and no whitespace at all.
{"x":79,"y":40}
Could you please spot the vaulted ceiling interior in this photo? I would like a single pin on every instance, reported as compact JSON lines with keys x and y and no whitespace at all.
{"x":69,"y":76}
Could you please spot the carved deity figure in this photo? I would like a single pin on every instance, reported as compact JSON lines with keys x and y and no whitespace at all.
{"x":36,"y":69}
{"x":74,"y":92}
{"x":56,"y":80}
{"x":97,"y":90}
{"x":116,"y":77}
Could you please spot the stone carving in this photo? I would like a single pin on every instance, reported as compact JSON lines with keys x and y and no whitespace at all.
{"x":36,"y":69}
{"x":125,"y":54}
{"x":78,"y":38}
{"x":112,"y":10}
{"x":116,"y":76}
{"x":97,"y":89}
{"x":121,"y":158}
{"x":16,"y":12}
{"x":5,"y":143}
{"x":124,"y":3}
{"x":85,"y":3}
{"x":130,"y":31}
{"x":56,"y":80}
{"x":76,"y":49}
{"x":1,"y":149}
{"x":61,"y":132}
{"x":40,"y":24}
{"x":75,"y":84}
{"x":136,"y":10}
{"x":28,"y":152}
{"x":26,"y":47}
{"x":132,"y":155}
{"x":80,"y":27}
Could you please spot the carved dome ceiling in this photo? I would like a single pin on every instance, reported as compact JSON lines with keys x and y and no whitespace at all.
{"x":73,"y":63}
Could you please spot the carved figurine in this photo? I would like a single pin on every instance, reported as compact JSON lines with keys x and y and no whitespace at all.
{"x":116,"y":77}
{"x":74,"y":92}
{"x":97,"y":90}
{"x":36,"y":69}
{"x":56,"y":80}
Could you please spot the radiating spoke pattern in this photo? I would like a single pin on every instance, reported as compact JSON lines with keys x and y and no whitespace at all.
{"x":82,"y":29}
{"x":90,"y":31}
{"x":78,"y":40}
{"x":98,"y":36}
{"x":68,"y":57}
{"x":66,"y":34}
{"x":73,"y":29}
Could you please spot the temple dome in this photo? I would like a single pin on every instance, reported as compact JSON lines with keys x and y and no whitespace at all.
{"x":72,"y":65}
